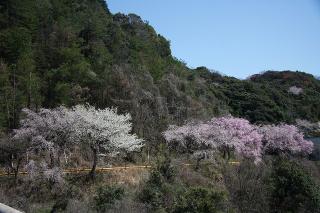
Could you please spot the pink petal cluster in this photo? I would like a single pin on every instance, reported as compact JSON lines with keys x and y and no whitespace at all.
{"x":224,"y":133}
{"x":284,"y":139}
{"x":237,"y":134}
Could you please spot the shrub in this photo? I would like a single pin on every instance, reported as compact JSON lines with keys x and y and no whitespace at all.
{"x":201,"y":200}
{"x":247,"y":188}
{"x":159,"y":192}
{"x":107,"y":196}
{"x":165,"y":192}
{"x":151,"y":193}
{"x":293,"y":189}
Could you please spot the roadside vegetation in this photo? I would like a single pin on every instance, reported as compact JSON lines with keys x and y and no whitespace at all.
{"x":191,"y":171}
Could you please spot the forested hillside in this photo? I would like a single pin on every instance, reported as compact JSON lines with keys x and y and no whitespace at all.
{"x":55,"y":52}
{"x":170,"y":146}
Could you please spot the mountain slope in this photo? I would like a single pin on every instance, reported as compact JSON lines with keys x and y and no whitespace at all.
{"x":56,"y":52}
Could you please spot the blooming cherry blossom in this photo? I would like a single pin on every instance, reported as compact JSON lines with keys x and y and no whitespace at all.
{"x":284,"y":139}
{"x":225,"y":134}
{"x":100,"y":129}
{"x":48,"y":129}
{"x":295,"y":90}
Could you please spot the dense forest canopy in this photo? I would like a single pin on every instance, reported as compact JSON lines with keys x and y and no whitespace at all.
{"x":69,"y":52}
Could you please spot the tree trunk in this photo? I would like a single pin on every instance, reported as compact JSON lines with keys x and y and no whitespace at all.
{"x":229,"y":154}
{"x":92,"y":173}
{"x":198,"y":164}
{"x":199,"y":158}
{"x":8,"y":110}
{"x":65,"y":156}
{"x":58,"y":159}
{"x":10,"y":164}
{"x":16,"y":171}
{"x":224,"y":153}
{"x":14,"y":98}
{"x":29,"y":92}
{"x":52,"y":164}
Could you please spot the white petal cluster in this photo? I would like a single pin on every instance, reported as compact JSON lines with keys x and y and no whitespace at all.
{"x":45,"y":129}
{"x":103,"y":128}
{"x":295,"y":90}
{"x":52,"y":129}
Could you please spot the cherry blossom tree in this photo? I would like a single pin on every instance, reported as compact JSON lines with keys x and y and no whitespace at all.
{"x":284,"y":139}
{"x":225,"y":134}
{"x":309,"y":129}
{"x":102,"y":130}
{"x":59,"y":128}
{"x":39,"y":171}
{"x":295,"y":90}
{"x":186,"y":136}
{"x":48,"y":129}
{"x":229,"y":133}
{"x":12,"y":154}
{"x":236,"y":134}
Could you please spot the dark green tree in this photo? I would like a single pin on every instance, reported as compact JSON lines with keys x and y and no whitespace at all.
{"x":293,"y":189}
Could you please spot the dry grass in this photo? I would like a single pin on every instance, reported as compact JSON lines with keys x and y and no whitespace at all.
{"x":131,"y":177}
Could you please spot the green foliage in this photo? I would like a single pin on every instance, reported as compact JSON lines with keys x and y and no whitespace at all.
{"x":293,"y":189}
{"x":164,"y":165}
{"x":201,"y":200}
{"x":154,"y":192}
{"x":107,"y":196}
{"x":163,"y":192}
{"x":303,"y":105}
{"x":56,"y":52}
{"x":170,"y":196}
{"x":159,"y":191}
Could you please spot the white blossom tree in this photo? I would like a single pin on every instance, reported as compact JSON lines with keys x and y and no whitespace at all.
{"x":56,"y":129}
{"x":102,"y":130}
{"x":48,"y":129}
{"x":12,"y":154}
{"x":308,"y":128}
{"x":295,"y":90}
{"x":39,"y":171}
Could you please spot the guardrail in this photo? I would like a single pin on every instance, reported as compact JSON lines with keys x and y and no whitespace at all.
{"x":103,"y":169}
{"x":7,"y":209}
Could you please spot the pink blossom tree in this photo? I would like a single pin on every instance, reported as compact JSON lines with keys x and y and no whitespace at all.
{"x":284,"y":139}
{"x":229,"y":133}
{"x":225,"y":134}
